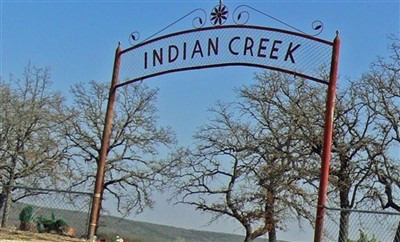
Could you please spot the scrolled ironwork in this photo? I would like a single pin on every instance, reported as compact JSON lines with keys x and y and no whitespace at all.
{"x":219,"y":15}
{"x":134,"y":37}
{"x":242,"y":17}
{"x":197,"y":22}
{"x":318,"y":26}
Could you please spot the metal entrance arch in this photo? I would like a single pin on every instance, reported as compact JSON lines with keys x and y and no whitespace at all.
{"x":232,"y":45}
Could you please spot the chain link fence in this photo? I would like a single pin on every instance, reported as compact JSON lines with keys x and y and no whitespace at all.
{"x":71,"y":206}
{"x":363,"y":225}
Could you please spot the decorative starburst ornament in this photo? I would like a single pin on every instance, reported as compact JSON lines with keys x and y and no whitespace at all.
{"x":219,"y":14}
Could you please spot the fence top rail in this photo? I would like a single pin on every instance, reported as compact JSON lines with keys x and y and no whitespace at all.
{"x":49,"y":190}
{"x":362,"y":211}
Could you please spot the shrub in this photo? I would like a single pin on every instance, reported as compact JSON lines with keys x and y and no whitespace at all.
{"x":50,"y":224}
{"x":26,"y":217}
{"x":26,"y":214}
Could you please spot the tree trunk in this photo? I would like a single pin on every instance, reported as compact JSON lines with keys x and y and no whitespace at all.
{"x":8,"y":197}
{"x":344,"y":226}
{"x":11,"y":183}
{"x":248,"y":235}
{"x":7,"y":207}
{"x":344,"y":191}
{"x":272,"y":235}
{"x":2,"y":199}
{"x":397,"y":237}
{"x":247,"y":239}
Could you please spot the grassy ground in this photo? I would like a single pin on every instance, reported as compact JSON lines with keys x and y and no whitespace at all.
{"x":23,"y":236}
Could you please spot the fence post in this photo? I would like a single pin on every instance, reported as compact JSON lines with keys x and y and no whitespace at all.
{"x":98,"y":189}
{"x":327,"y":145}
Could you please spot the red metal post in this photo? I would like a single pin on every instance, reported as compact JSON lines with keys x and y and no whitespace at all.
{"x":327,"y":146}
{"x":96,"y":203}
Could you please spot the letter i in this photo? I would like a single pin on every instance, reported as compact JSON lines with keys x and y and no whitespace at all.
{"x":184,"y":50}
{"x":145,"y":60}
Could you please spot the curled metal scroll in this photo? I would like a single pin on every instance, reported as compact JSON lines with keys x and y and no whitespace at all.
{"x":317,"y":26}
{"x":135,"y":36}
{"x":242,"y":16}
{"x":198,"y":22}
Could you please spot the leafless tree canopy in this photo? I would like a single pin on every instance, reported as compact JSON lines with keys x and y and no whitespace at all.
{"x":251,"y":161}
{"x":258,"y":160}
{"x":133,"y":169}
{"x":31,"y":147}
{"x":381,"y":93}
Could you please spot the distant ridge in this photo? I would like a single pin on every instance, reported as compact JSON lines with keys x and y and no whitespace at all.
{"x":149,"y":232}
{"x":134,"y":231}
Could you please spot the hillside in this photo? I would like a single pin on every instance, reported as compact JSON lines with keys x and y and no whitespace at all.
{"x":135,"y":231}
{"x":145,"y":232}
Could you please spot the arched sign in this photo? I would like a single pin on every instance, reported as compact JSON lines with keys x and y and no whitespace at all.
{"x":231,"y":45}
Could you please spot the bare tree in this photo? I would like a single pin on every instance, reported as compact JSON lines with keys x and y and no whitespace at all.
{"x":380,"y":88}
{"x":268,"y":146}
{"x":364,"y":166}
{"x":249,"y":163}
{"x":354,"y":136}
{"x":133,"y":168}
{"x":31,"y":149}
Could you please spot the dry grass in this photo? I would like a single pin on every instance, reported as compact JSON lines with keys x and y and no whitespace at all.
{"x":22,"y":236}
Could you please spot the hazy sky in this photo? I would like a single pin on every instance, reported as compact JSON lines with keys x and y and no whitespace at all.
{"x":77,"y":40}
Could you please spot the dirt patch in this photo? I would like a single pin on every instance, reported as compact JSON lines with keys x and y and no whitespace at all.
{"x":24,"y":236}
